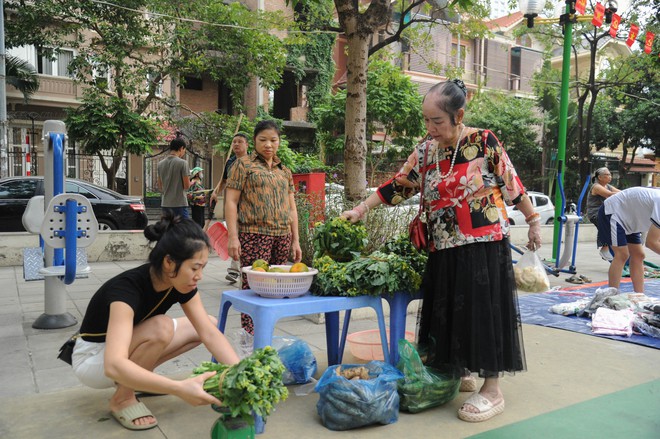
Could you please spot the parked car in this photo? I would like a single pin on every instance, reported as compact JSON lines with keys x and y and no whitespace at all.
{"x":542,"y":205}
{"x":113,"y":211}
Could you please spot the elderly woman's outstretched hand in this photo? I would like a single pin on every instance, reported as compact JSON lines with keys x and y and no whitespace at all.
{"x":352,"y":215}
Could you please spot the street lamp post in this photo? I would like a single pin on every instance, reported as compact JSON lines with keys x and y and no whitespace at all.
{"x":530,"y":10}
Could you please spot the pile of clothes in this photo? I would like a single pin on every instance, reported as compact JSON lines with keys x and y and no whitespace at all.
{"x":615,"y":313}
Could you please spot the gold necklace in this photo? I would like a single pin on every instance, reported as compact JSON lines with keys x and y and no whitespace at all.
{"x":453,"y":159}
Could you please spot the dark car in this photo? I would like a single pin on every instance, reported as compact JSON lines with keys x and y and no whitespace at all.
{"x":113,"y":211}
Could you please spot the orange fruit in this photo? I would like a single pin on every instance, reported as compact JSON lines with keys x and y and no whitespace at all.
{"x":299,"y":267}
{"x":260,"y":263}
{"x":258,"y":269}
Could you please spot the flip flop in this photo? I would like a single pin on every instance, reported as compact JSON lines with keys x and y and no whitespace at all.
{"x":126,"y":416}
{"x":585,"y":279}
{"x":486,"y":409}
{"x":575,"y":280}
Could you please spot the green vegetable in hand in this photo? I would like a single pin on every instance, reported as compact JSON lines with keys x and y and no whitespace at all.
{"x":252,"y":385}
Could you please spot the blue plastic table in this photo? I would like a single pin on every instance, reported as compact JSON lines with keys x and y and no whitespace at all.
{"x":265,"y":312}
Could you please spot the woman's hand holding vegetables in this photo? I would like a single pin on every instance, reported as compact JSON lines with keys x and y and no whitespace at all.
{"x":192,"y":390}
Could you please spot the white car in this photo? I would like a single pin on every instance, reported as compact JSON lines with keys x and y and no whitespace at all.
{"x":542,"y":205}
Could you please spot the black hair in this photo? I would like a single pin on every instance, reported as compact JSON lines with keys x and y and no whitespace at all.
{"x":450,"y":96}
{"x":266,"y":124}
{"x":177,"y":144}
{"x":243,"y":135}
{"x":177,"y":237}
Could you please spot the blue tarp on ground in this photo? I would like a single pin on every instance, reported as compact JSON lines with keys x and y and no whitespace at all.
{"x":534,"y":310}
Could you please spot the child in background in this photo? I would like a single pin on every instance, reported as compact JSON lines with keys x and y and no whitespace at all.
{"x":197,"y":196}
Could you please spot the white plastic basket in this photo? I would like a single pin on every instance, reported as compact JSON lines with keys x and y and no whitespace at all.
{"x":279,"y":285}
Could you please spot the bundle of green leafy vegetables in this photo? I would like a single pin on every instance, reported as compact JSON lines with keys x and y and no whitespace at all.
{"x":252,"y":385}
{"x":339,"y":239}
{"x":396,"y":267}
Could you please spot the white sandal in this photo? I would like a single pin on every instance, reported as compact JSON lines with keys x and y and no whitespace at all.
{"x":486,"y":408}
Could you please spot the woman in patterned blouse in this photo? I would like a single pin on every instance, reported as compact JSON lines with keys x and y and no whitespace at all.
{"x":469,"y":318}
{"x":260,"y":208}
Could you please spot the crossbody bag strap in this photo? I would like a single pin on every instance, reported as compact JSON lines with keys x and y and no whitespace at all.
{"x":86,"y":334}
{"x":421,"y":195}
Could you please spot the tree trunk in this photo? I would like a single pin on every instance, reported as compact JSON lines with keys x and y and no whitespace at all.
{"x":356,"y":117}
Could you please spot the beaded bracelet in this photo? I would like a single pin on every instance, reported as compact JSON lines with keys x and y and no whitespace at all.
{"x":532,"y":217}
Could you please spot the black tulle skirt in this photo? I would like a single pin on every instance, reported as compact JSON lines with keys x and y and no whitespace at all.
{"x":469,"y":316}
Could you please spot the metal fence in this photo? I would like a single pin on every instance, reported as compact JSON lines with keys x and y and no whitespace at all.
{"x":88,"y":167}
{"x":77,"y":165}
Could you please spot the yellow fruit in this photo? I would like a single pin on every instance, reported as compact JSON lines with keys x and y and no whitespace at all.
{"x":277,"y":270}
{"x":260,"y":263}
{"x":258,"y":269}
{"x":299,"y":267}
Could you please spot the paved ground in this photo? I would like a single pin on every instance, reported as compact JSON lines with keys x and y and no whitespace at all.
{"x":41,"y":397}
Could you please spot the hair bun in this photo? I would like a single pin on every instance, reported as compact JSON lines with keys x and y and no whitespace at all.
{"x":460,"y":85}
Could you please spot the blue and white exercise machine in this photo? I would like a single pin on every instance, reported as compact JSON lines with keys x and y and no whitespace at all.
{"x":66,"y":223}
{"x":569,"y":224}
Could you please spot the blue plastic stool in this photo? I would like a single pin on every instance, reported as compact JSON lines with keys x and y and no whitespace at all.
{"x":265,"y":313}
{"x":398,"y":310}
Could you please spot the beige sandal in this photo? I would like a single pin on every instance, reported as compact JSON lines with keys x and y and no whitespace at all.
{"x":468,"y":384}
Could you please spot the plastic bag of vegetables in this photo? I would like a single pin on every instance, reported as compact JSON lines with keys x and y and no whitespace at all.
{"x":424,"y":387}
{"x":254,"y":385}
{"x":530,"y":273}
{"x":352,"y":396}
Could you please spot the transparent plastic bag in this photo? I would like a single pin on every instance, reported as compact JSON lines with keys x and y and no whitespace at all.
{"x":243,"y":342}
{"x":298,"y":359}
{"x":530,"y":273}
{"x":424,"y":387}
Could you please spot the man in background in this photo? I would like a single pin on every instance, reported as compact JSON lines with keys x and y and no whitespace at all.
{"x":173,"y":179}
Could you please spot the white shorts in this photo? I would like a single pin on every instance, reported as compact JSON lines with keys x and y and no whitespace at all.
{"x":88,"y":365}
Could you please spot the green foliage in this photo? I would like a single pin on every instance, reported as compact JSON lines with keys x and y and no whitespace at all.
{"x":109,"y":123}
{"x":252,"y":385}
{"x":633,"y":106}
{"x":141,"y":52}
{"x":393,"y":105}
{"x":339,"y":239}
{"x":401,"y":245}
{"x":512,"y":120}
{"x":22,"y":76}
{"x":377,"y":274}
{"x":315,"y":50}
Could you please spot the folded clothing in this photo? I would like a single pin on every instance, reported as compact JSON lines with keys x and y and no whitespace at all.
{"x":570,"y":308}
{"x":612,"y":322}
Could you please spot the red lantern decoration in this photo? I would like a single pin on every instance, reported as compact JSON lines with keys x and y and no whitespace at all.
{"x":614,"y":27}
{"x":599,"y":14}
{"x":580,"y":6}
{"x":632,"y":36}
{"x":648,"y":44}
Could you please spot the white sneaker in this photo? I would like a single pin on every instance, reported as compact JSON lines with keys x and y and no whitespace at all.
{"x":232,"y":277}
{"x":606,"y":255}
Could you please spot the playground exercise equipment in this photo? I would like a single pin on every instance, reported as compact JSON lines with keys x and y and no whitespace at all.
{"x":571,"y":222}
{"x":67,"y":223}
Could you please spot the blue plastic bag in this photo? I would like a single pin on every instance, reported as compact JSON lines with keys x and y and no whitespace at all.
{"x":298,"y":359}
{"x":345,"y":404}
